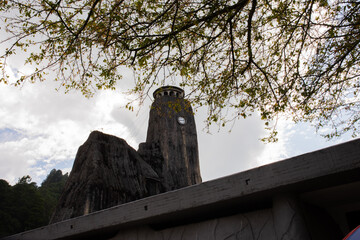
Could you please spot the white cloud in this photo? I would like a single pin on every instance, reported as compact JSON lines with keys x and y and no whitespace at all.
{"x":47,"y":127}
{"x":223,"y":153}
{"x":41,"y":129}
{"x":278,"y":150}
{"x":13,"y":167}
{"x":53,"y":125}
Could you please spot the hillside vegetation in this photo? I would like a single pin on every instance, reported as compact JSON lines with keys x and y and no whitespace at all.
{"x":26,"y":206}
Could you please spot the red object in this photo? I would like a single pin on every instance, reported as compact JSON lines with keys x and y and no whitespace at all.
{"x":354,"y":234}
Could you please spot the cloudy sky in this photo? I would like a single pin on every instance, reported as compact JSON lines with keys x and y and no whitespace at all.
{"x":41,"y":129}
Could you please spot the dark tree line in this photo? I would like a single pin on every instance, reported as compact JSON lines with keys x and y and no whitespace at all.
{"x":26,"y":206}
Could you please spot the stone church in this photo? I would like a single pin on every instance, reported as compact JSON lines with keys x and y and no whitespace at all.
{"x":115,"y":192}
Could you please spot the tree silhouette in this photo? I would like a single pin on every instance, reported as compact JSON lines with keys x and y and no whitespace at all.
{"x":26,"y":206}
{"x":298,"y":58}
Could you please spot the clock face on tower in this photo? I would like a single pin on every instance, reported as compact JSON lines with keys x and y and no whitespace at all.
{"x":181,"y":120}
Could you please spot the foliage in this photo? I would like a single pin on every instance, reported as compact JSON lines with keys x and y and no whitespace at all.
{"x":25,"y":206}
{"x":51,"y":189}
{"x":297,"y":58}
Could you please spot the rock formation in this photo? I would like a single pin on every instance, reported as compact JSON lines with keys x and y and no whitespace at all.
{"x":108,"y":172}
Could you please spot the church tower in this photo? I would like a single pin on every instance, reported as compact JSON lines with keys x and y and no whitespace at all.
{"x":171,"y":146}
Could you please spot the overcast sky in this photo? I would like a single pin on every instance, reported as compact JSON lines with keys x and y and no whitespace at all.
{"x":41,"y":129}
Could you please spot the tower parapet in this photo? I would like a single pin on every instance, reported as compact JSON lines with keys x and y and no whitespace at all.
{"x":169,"y":91}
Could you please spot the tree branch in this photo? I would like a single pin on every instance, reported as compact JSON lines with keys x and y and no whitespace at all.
{"x":240,"y":5}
